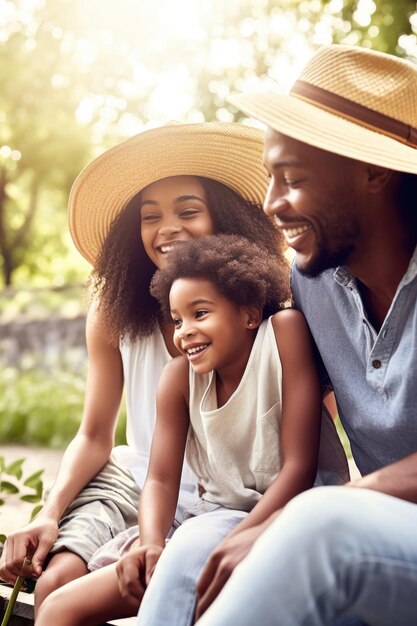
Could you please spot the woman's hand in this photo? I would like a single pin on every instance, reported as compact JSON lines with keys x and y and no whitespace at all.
{"x":34,"y":542}
{"x":134,"y":570}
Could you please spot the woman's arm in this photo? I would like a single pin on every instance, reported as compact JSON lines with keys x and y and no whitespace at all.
{"x":84,"y":457}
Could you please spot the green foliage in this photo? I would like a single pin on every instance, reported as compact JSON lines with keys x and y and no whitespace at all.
{"x":76,"y":77}
{"x":343,"y":437}
{"x":387,"y":23}
{"x":14,"y":486}
{"x":40,"y":409}
{"x":43,"y":146}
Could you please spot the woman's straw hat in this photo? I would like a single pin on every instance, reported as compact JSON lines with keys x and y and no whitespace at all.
{"x":351,"y":101}
{"x":227,"y":152}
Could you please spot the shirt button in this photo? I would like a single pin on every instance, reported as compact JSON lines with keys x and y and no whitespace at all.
{"x":376,"y":364}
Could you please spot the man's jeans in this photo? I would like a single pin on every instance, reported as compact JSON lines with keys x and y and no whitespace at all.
{"x":334,"y":551}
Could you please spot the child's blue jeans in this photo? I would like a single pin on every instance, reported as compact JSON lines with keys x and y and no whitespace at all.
{"x":171,"y":595}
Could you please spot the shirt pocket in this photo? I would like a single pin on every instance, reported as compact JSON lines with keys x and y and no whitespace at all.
{"x":265,"y":461}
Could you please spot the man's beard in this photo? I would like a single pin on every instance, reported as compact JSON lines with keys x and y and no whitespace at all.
{"x":336,"y":239}
{"x":325,"y":260}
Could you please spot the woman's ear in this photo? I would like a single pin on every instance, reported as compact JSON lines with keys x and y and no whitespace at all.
{"x":253,"y":317}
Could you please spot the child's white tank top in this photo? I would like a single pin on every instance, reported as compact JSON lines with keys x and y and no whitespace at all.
{"x":234,"y":449}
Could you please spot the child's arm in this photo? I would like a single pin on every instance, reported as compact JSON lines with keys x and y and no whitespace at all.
{"x":159,"y":496}
{"x":300,"y":418}
{"x":299,"y":445}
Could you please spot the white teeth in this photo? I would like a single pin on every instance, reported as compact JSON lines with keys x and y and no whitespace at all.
{"x":166,"y":248}
{"x":292,"y":232}
{"x":197,"y":349}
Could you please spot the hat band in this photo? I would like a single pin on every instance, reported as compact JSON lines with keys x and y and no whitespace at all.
{"x":355,"y":112}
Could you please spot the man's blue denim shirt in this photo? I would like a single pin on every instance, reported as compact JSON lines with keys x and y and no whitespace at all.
{"x":374,"y":375}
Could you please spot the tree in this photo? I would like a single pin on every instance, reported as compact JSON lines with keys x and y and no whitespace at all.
{"x":41,"y":144}
{"x":265,"y":44}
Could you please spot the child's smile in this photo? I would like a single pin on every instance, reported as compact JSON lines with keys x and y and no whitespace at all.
{"x":193,"y":351}
{"x":210,"y":330}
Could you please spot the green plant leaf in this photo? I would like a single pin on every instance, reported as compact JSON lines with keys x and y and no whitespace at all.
{"x":2,"y":464}
{"x":3,"y":538}
{"x":8,"y":487}
{"x":34,"y":498}
{"x":15,"y":468}
{"x":2,"y":501}
{"x":38,"y":493}
{"x":34,"y":480}
{"x":36,"y":511}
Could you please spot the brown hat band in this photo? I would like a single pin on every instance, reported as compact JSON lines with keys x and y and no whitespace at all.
{"x":355,"y":112}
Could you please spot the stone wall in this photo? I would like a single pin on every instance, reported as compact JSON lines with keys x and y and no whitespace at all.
{"x":44,"y":343}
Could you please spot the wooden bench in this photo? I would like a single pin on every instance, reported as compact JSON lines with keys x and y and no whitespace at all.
{"x":23,"y":609}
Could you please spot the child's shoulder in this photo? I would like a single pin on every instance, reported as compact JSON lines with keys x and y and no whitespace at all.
{"x":287,"y":319}
{"x":291,"y":332}
{"x":175,"y":374}
{"x":177,"y":366}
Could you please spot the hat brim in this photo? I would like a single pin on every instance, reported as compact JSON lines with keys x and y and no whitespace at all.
{"x":230,"y":153}
{"x":317,"y":127}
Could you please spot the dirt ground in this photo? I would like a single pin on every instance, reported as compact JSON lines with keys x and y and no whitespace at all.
{"x":16,"y":513}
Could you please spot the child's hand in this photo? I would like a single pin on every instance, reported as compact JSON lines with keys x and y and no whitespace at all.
{"x":135,"y":569}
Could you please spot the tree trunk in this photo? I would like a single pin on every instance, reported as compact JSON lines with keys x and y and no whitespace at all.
{"x":9,"y":246}
{"x":7,"y":268}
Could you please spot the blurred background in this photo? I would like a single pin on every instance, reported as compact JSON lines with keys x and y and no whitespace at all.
{"x":78,"y":76}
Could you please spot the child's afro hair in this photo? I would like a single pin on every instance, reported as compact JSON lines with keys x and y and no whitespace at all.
{"x":242,"y":271}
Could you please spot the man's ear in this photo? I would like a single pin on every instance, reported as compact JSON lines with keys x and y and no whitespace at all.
{"x":253,"y":317}
{"x":378,"y":177}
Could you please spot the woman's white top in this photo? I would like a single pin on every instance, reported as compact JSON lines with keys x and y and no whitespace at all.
{"x":143,"y":361}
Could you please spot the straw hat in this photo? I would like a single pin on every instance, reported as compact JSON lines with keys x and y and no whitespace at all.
{"x":227,"y":152}
{"x":351,"y":101}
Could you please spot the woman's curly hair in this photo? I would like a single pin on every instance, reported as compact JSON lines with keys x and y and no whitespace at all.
{"x":121,"y":277}
{"x":242,"y":271}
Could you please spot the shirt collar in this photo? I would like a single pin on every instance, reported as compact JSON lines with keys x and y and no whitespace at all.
{"x":342,"y":275}
{"x":411,"y":272}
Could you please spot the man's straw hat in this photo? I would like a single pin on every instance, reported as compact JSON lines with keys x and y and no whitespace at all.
{"x":227,"y":152}
{"x":350,"y":101}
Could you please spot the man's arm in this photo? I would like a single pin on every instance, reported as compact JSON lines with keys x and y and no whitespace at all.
{"x":398,"y":479}
{"x":84,"y":457}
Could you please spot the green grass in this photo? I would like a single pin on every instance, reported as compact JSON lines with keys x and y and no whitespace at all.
{"x":45,"y":409}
